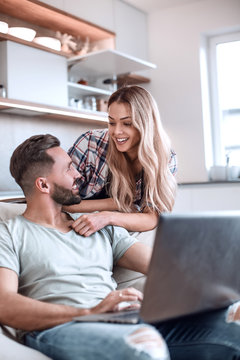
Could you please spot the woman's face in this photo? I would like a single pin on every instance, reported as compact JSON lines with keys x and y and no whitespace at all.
{"x":125,"y":136}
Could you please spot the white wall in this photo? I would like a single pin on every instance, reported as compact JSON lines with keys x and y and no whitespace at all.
{"x":174,"y":45}
{"x":15,"y":129}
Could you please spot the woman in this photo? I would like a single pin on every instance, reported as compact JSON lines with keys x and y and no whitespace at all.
{"x":126,"y":171}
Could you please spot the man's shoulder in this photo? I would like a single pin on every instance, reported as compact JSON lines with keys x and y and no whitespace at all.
{"x":12,"y":222}
{"x":10,"y":226}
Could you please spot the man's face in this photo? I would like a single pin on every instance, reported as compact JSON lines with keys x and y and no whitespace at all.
{"x":63,"y":180}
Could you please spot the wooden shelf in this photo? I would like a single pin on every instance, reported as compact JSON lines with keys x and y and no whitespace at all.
{"x":12,"y":106}
{"x":78,"y":90}
{"x":105,"y":64}
{"x":38,"y":13}
{"x":132,"y":79}
{"x":31,"y":44}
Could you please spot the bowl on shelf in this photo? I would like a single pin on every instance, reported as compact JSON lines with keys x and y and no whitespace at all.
{"x":22,"y":33}
{"x":3,"y":27}
{"x":49,"y":42}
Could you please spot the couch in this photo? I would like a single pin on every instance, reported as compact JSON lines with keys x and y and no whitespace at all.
{"x":10,"y":348}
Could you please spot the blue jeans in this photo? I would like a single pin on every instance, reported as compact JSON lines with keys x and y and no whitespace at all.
{"x":90,"y":341}
{"x":205,"y":336}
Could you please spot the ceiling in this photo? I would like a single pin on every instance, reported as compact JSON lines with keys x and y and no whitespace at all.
{"x":149,"y":6}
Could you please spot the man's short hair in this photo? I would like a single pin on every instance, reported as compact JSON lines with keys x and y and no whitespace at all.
{"x":30,"y":160}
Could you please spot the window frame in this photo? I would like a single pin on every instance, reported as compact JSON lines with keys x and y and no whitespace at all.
{"x":216,"y":116}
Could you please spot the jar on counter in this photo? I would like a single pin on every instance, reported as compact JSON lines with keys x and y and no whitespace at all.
{"x":2,"y":91}
{"x":73,"y":102}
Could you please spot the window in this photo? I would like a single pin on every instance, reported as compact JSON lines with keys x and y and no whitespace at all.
{"x":225,"y":98}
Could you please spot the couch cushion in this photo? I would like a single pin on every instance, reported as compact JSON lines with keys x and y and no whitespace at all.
{"x":9,"y":210}
{"x":12,"y":350}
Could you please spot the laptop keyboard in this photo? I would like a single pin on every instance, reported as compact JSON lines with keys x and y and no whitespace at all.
{"x":124,"y":317}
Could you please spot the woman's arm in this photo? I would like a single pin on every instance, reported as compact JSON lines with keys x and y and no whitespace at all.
{"x":136,"y":258}
{"x":88,"y":224}
{"x":87,"y":206}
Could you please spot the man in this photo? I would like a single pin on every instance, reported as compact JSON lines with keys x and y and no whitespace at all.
{"x":49,"y":273}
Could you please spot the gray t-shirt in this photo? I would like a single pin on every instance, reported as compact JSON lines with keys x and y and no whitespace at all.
{"x":62,"y":268}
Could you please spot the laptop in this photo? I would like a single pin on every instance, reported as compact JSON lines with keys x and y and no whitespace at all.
{"x":194,"y":268}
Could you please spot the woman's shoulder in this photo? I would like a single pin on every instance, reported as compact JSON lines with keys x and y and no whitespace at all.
{"x":96,"y":135}
{"x":90,"y":141}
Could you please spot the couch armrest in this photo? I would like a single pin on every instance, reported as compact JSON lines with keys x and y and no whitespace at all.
{"x":10,"y":349}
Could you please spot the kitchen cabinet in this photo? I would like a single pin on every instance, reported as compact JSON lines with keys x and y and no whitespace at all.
{"x":209,"y":196}
{"x":131,"y":29}
{"x":33,"y":75}
{"x":94,"y":11}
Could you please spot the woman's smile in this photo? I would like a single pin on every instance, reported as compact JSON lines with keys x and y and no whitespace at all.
{"x":125,"y":136}
{"x":121,"y":141}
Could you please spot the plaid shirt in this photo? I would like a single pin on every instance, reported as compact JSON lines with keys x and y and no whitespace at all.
{"x":88,"y":154}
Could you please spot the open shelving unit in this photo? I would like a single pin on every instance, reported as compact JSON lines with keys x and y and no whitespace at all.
{"x":101,"y":65}
{"x":95,"y":66}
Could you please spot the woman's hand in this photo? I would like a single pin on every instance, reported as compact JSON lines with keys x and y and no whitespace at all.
{"x":112,"y":300}
{"x":88,"y":224}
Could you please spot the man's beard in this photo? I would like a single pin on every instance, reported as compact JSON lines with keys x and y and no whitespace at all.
{"x":65,"y":196}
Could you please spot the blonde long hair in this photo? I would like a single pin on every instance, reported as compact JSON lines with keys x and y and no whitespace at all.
{"x":154,"y":153}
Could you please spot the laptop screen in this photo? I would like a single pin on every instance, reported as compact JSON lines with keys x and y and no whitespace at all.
{"x":194,"y":265}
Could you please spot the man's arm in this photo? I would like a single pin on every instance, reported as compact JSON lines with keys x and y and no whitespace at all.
{"x":24,"y":313}
{"x":136,"y":258}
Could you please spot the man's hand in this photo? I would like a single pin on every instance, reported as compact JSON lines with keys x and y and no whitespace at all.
{"x":88,"y":224}
{"x":112,"y":300}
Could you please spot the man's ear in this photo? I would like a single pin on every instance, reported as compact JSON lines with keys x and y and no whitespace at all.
{"x":42,"y":184}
